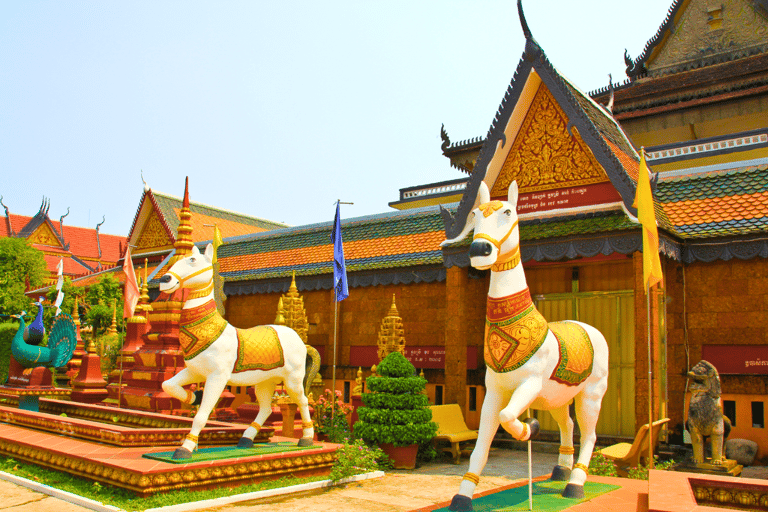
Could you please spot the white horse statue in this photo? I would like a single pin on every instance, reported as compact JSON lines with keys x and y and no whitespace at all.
{"x":531,"y":364}
{"x":220,"y":354}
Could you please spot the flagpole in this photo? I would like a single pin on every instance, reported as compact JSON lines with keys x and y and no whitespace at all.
{"x":340,"y":289}
{"x":650,"y":377}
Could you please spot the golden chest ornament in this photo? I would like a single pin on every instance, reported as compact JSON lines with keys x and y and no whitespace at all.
{"x":199,"y":327}
{"x":258,"y":348}
{"x":514,"y":331}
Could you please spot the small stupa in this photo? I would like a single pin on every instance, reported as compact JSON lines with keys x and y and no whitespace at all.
{"x":391,"y":334}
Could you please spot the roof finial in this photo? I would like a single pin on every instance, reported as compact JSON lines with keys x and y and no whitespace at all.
{"x":146,"y":187}
{"x":446,"y":141}
{"x":7,"y":217}
{"x":186,"y":192}
{"x":532,"y":48}
{"x":609,"y":107}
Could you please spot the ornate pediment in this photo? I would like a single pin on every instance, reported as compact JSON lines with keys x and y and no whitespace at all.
{"x":545,"y":155}
{"x":705,"y":30}
{"x":153,"y":234}
{"x":44,"y":235}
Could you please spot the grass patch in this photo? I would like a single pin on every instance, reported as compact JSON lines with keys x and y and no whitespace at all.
{"x":127,"y":500}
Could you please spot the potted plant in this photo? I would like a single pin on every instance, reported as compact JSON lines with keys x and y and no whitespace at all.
{"x":396,"y":416}
{"x":331,"y":417}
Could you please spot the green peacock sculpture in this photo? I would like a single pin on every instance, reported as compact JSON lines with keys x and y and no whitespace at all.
{"x":61,"y":341}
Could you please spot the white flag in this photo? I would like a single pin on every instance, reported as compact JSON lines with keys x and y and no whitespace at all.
{"x":59,"y":284}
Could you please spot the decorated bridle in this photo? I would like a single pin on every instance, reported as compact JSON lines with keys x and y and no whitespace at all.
{"x":509,"y":260}
{"x":197,"y":291}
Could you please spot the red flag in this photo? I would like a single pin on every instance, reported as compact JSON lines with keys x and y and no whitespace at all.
{"x":131,"y":286}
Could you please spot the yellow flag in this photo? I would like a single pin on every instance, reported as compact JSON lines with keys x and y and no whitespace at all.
{"x":647,"y":217}
{"x":217,"y":241}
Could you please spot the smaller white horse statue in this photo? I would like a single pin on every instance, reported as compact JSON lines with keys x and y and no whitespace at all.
{"x":219,"y":354}
{"x":530,"y":363}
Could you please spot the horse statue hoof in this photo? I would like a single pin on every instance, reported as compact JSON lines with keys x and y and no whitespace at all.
{"x":305,"y":441}
{"x":461,"y":502}
{"x":561,"y":474}
{"x":198,"y":398}
{"x":182,"y":453}
{"x":244,"y":442}
{"x":533,"y":424}
{"x":573,"y":491}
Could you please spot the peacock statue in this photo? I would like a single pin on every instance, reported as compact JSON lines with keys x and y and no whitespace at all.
{"x":61,"y":341}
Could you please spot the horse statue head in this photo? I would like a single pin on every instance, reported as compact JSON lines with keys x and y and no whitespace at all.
{"x":496,"y":240}
{"x":195,"y":271}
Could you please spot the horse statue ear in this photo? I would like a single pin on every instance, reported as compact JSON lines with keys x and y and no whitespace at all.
{"x":195,"y":251}
{"x":483,"y":194}
{"x":209,"y":252}
{"x":512,"y":193}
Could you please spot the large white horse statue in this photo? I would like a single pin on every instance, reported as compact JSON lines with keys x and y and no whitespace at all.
{"x":219,"y":354}
{"x":531,"y":363}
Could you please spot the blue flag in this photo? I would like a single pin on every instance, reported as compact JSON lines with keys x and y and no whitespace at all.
{"x":339,"y":267}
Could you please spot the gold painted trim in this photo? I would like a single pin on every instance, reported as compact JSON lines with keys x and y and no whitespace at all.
{"x":471,"y":477}
{"x":566,"y":450}
{"x":582,"y":467}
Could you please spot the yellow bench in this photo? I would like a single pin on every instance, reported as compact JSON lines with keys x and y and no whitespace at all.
{"x":452,"y":428}
{"x":626,"y":455}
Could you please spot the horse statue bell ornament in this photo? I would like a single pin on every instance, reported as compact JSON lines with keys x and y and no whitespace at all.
{"x":530,"y":363}
{"x":220,"y":354}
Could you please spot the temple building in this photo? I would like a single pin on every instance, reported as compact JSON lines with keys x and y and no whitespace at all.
{"x":83,"y":250}
{"x":696,"y":99}
{"x":155,"y":231}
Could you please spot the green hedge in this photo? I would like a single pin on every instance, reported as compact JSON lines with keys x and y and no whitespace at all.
{"x":7,"y":332}
{"x":395,"y":409}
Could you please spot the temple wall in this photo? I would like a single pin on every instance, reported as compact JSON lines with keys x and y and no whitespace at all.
{"x":726,"y":303}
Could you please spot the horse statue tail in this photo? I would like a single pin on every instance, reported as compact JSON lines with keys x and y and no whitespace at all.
{"x":313,"y":369}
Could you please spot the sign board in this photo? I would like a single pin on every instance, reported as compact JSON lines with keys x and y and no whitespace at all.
{"x":573,"y":197}
{"x":737,"y":359}
{"x":420,"y":357}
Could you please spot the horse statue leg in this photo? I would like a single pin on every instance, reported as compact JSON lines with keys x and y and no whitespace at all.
{"x":562,"y":471}
{"x":263,"y":392}
{"x":214,"y":387}
{"x":294,"y":385}
{"x":587,"y":408}
{"x":489,"y":424}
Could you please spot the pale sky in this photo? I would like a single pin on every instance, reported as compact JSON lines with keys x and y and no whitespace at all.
{"x":273,"y":109}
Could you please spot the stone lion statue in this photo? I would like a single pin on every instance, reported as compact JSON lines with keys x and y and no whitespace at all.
{"x":705,"y":413}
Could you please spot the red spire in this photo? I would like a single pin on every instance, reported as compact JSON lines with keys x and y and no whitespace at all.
{"x":186,"y":192}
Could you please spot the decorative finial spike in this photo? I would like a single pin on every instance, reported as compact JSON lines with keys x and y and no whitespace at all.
{"x":186,"y":192}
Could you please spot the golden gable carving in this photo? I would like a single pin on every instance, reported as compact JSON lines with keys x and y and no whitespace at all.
{"x":544,"y":155}
{"x":153,"y":234}
{"x":44,"y":235}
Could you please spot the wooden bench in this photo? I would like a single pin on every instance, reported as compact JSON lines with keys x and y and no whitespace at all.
{"x":452,"y":428}
{"x":626,"y":455}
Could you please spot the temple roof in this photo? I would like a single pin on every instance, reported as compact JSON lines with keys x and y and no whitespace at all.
{"x":387,"y":241}
{"x":83,"y":249}
{"x":599,"y":137}
{"x":155,"y":226}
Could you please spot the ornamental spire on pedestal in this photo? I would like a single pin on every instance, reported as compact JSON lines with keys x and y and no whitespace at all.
{"x":291,"y":309}
{"x":183,"y":242}
{"x":391,"y":336}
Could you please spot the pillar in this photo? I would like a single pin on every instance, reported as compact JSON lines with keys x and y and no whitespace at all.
{"x":456,"y":335}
